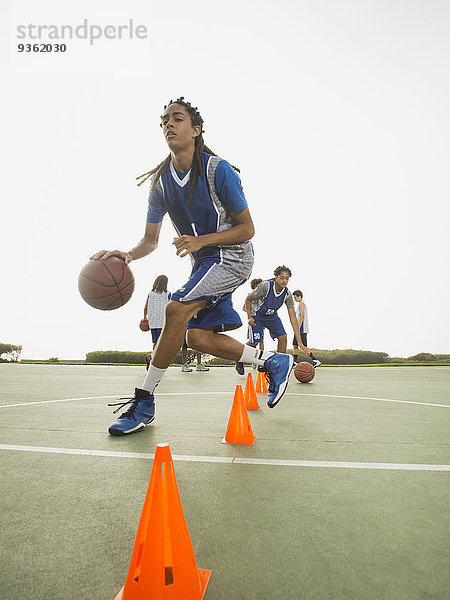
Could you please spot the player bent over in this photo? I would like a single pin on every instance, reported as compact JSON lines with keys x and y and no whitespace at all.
{"x":262,"y":305}
{"x":203,"y":196}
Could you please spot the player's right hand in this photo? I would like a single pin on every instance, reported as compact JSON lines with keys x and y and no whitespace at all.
{"x":251,"y":322}
{"x":125,"y":256}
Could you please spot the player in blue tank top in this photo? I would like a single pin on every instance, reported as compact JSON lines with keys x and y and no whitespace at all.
{"x":204,"y":198}
{"x":262,"y":306}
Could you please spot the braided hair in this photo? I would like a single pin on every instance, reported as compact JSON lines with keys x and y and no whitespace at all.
{"x":200,"y":147}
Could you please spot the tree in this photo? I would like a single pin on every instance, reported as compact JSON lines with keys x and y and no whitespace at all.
{"x":422,"y":356}
{"x":9,"y":352}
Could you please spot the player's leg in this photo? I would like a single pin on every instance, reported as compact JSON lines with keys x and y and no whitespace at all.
{"x":141,"y":411}
{"x":277,"y":332}
{"x":185,"y":368}
{"x":200,"y":366}
{"x":282,"y":343}
{"x":218,"y":344}
{"x":253,"y":339}
{"x":206,"y":338}
{"x":278,"y":366}
{"x":156,"y":332}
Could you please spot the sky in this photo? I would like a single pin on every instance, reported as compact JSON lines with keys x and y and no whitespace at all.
{"x":335,"y":111}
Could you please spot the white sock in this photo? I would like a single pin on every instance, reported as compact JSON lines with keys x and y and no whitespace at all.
{"x":153,"y":377}
{"x":253,"y":355}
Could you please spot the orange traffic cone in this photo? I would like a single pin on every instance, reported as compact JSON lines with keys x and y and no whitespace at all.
{"x":239,"y":430}
{"x":261,"y":387}
{"x":162,"y":563}
{"x":250,"y":399}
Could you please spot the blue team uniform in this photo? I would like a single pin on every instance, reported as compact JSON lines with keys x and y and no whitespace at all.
{"x":217,"y":270}
{"x":264,"y":312}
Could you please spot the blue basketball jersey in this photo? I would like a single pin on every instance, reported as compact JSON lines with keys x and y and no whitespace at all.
{"x":217,"y":194}
{"x":273,"y":301}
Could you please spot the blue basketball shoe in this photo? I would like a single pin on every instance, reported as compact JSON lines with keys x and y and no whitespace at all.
{"x":278,"y":369}
{"x":137,"y":416}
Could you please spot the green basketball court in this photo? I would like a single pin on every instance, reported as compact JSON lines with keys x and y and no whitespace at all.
{"x":343,"y":495}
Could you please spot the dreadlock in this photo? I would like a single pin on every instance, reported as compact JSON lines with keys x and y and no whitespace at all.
{"x":200,"y":147}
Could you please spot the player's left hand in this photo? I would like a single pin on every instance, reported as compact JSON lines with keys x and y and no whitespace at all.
{"x":186,"y":244}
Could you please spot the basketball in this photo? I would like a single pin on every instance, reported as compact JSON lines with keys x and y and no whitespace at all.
{"x":304,"y":372}
{"x":143,"y":325}
{"x":106,"y":284}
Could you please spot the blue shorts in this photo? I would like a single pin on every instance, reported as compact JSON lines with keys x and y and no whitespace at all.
{"x":272,"y":323}
{"x":155,"y":334}
{"x":213,"y":282}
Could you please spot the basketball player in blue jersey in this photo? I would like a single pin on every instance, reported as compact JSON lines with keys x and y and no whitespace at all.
{"x":262,"y":305}
{"x":204,"y":198}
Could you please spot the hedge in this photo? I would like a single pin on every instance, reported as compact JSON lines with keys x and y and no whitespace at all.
{"x":327,"y":357}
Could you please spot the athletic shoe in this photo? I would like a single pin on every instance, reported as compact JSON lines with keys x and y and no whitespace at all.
{"x":148,"y":360}
{"x":316,"y":363}
{"x":201,"y":367}
{"x":186,"y":368}
{"x":278,"y":368}
{"x":137,"y":416}
{"x":261,"y":369}
{"x":239,"y":366}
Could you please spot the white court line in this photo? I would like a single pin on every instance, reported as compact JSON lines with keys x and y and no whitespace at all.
{"x":369,"y":398}
{"x":61,"y":400}
{"x":116,"y":396}
{"x":230,"y":394}
{"x":234,"y":459}
{"x":341,"y":465}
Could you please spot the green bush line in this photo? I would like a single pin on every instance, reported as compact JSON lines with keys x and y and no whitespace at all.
{"x":81,"y":363}
{"x":327,"y":357}
{"x":335,"y":358}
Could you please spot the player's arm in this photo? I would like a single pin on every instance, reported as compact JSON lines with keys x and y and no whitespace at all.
{"x":296,"y":328}
{"x":302,"y":314}
{"x":242,"y":230}
{"x":145,"y":308}
{"x":145,"y":246}
{"x":248,"y":310}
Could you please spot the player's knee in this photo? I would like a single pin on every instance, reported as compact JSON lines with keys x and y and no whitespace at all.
{"x":176,"y":312}
{"x":195,"y":338}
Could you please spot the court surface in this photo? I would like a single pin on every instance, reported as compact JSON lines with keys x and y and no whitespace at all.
{"x":343,"y":495}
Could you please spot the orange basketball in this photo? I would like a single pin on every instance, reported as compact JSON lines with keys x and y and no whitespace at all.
{"x":106,"y":284}
{"x":143,"y":325}
{"x":304,"y":372}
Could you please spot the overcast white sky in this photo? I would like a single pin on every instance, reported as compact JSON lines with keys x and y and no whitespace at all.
{"x":336,"y":112}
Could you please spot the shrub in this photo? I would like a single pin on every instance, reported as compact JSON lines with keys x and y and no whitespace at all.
{"x":116,"y":356}
{"x":9,"y":352}
{"x":350,"y":357}
{"x":422,"y":357}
